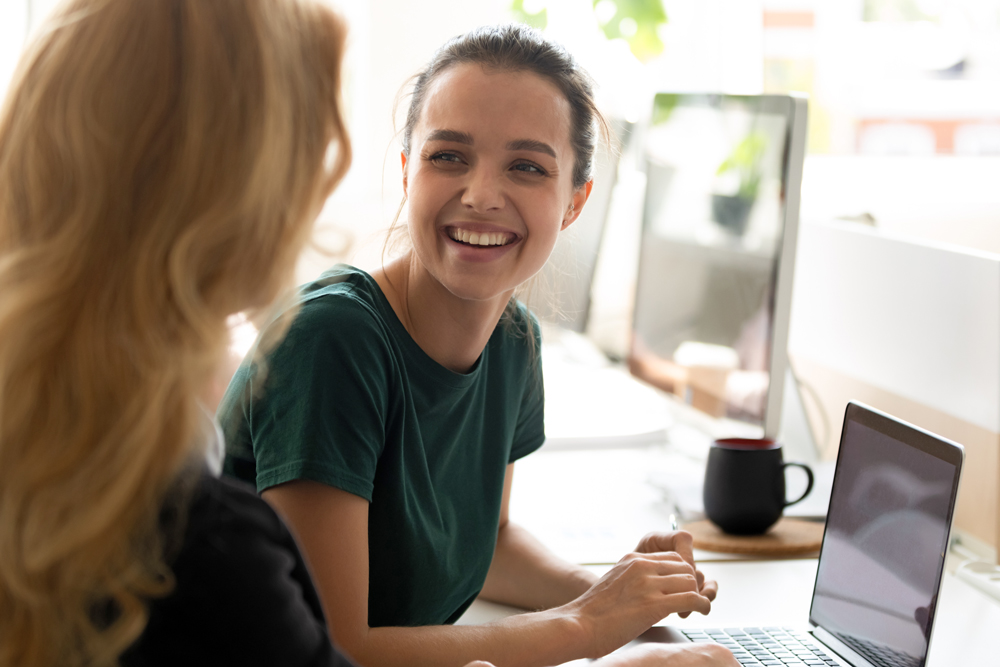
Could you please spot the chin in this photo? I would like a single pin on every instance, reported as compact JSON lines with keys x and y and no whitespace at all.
{"x":467,"y":293}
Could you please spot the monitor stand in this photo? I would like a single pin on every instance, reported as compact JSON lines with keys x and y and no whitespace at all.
{"x":796,"y":434}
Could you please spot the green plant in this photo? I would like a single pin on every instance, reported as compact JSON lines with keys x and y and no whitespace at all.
{"x":745,"y":160}
{"x":539,"y":19}
{"x":635,"y":21}
{"x":663,"y":107}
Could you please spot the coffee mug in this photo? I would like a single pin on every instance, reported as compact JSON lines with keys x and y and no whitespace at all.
{"x":744,"y":489}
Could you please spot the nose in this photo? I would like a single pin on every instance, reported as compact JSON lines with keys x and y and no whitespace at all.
{"x":483,"y":190}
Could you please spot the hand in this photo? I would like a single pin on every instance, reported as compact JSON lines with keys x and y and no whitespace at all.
{"x":671,"y":655}
{"x":640,"y":590}
{"x":480,"y":663}
{"x":682,"y":543}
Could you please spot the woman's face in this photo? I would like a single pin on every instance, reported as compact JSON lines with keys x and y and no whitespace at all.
{"x":489,"y":179}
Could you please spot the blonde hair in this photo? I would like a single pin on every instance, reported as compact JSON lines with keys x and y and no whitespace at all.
{"x":161,"y":164}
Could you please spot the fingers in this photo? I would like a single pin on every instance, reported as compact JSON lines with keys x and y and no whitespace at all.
{"x":480,"y":663}
{"x":681,"y":595}
{"x":685,"y":602}
{"x":684,"y":545}
{"x":672,"y":574}
{"x":679,"y":541}
{"x":660,"y":563}
{"x":709,"y":588}
{"x":658,"y":575}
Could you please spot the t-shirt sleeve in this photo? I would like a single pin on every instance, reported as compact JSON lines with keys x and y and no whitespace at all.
{"x":324,"y":401}
{"x":529,"y":434}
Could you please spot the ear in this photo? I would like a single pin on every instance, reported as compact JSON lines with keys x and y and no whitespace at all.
{"x":580,"y":197}
{"x":402,"y":157}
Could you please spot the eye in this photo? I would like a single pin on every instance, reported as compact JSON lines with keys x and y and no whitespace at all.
{"x":528,"y":168}
{"x":445,"y":157}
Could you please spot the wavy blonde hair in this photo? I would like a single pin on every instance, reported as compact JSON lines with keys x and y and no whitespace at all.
{"x":161,"y":164}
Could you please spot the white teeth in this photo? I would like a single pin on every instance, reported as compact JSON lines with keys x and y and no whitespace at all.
{"x":479,"y":238}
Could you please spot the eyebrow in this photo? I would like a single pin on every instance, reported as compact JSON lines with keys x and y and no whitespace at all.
{"x":451,"y":135}
{"x":516,"y":145}
{"x":531,"y":145}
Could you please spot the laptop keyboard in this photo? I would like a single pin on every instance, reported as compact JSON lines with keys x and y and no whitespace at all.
{"x":766,"y":647}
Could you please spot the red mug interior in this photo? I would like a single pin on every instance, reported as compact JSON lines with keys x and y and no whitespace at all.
{"x":746,"y":443}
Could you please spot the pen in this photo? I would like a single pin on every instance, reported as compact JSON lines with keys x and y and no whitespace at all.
{"x":673,"y":522}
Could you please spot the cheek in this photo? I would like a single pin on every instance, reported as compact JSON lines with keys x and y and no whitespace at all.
{"x":421,"y":204}
{"x":545,"y":230}
{"x":548,"y":215}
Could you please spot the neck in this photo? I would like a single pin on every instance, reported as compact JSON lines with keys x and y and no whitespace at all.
{"x":452,"y":331}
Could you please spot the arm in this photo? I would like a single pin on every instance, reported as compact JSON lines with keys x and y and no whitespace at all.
{"x":332,"y":528}
{"x":672,"y":655}
{"x":662,"y":655}
{"x":524,"y":573}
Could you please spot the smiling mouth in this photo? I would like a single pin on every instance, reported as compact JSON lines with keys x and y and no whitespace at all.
{"x":481,"y":238}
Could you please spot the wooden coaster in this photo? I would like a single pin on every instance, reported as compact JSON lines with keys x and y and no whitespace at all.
{"x":788,"y":537}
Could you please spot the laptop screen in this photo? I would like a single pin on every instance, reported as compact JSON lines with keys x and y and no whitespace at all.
{"x":886,"y":537}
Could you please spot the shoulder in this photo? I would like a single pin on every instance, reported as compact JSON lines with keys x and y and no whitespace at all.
{"x":336,"y":318}
{"x":230,"y":506}
{"x":519,"y":330}
{"x":343,"y":296}
{"x":231,"y":533}
{"x":242,"y":593}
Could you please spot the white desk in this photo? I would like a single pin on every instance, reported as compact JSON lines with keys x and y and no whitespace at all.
{"x":777,"y":593}
{"x":592,"y":506}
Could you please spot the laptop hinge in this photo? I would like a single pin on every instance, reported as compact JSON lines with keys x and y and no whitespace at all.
{"x":840,"y":648}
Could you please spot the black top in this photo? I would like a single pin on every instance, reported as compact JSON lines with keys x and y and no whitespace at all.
{"x":243,"y":595}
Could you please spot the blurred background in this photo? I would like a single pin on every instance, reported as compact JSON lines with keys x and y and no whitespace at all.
{"x":903,"y":161}
{"x":904,"y":119}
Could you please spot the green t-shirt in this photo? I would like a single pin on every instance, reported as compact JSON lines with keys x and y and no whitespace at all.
{"x":350,"y":400}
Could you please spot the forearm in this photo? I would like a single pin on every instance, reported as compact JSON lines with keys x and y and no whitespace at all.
{"x":525,"y":640}
{"x":524,"y":573}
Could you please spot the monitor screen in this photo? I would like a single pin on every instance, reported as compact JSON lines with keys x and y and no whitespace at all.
{"x":719,"y":172}
{"x":886,"y":535}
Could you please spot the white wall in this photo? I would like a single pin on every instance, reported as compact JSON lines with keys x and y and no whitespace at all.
{"x":13,"y":27}
{"x":943,"y":199}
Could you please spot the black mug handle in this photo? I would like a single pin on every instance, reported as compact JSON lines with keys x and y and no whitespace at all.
{"x":809,"y":483}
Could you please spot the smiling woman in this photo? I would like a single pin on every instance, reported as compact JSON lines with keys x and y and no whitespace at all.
{"x":391,"y":416}
{"x":490,"y":156}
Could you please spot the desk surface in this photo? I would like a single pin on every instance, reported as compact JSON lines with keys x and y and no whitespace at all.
{"x":593,"y":506}
{"x":778,"y":593}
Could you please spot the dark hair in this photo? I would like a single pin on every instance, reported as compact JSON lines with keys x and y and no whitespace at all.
{"x":515,"y":47}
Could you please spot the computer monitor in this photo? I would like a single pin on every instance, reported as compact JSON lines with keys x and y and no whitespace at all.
{"x":717,"y":254}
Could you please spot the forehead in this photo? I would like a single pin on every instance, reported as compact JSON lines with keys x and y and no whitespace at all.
{"x":496,"y":104}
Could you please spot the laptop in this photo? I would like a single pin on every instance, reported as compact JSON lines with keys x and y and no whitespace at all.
{"x":880,"y":566}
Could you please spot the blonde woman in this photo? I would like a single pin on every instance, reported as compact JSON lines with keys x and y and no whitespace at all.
{"x":161,"y":164}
